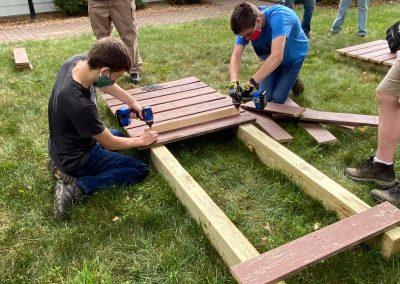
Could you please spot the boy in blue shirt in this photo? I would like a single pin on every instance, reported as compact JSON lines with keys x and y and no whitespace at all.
{"x":278,"y":39}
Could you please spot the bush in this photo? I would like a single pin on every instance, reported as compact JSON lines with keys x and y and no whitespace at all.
{"x":72,"y":7}
{"x":79,"y":7}
{"x":180,"y":2}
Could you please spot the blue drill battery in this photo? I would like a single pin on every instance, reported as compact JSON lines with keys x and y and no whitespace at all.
{"x":123,"y":115}
{"x":147,"y":114}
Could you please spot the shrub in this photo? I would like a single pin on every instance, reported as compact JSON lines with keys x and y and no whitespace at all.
{"x":140,"y":4}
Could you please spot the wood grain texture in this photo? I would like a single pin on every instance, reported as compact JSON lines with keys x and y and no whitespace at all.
{"x":21,"y":57}
{"x":295,"y":256}
{"x":360,"y":46}
{"x":314,"y":183}
{"x":195,"y":119}
{"x":230,"y":243}
{"x":339,"y":118}
{"x":316,"y":131}
{"x":271,"y":128}
{"x":280,"y":109}
{"x":355,"y":53}
{"x":381,"y":58}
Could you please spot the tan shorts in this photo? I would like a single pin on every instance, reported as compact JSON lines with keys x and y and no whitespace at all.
{"x":390,"y":85}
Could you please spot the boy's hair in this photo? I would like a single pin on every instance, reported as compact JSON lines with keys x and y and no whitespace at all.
{"x":109,"y":52}
{"x":243,"y":17}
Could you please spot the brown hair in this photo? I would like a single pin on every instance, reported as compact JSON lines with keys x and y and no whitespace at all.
{"x":109,"y":52}
{"x":243,"y":17}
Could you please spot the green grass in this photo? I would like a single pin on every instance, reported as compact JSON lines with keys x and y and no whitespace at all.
{"x":156,"y":241}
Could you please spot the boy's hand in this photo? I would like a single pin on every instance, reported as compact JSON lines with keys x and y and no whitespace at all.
{"x":247,"y":92}
{"x":138,"y":110}
{"x":147,"y":138}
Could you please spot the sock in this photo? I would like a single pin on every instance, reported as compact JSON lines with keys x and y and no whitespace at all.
{"x":382,"y":162}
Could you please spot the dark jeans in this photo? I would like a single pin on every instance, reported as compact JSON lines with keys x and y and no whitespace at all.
{"x":279,"y":83}
{"x":309,"y":6}
{"x":105,"y":168}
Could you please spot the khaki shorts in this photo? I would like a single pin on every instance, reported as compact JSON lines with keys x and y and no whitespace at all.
{"x":390,"y":85}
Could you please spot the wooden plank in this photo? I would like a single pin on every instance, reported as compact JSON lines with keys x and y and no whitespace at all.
{"x":230,"y":243}
{"x":21,"y":57}
{"x":359,"y":46}
{"x":314,"y":183}
{"x":200,"y":129}
{"x":271,"y":128}
{"x":355,"y":53}
{"x":339,"y":118}
{"x":295,"y":256}
{"x":280,"y":109}
{"x":160,"y":93}
{"x":389,"y":62}
{"x":172,"y":98}
{"x":369,"y":55}
{"x":320,"y":134}
{"x":165,"y":85}
{"x":195,"y":119}
{"x":156,"y":107}
{"x":380,"y":59}
{"x":183,"y":111}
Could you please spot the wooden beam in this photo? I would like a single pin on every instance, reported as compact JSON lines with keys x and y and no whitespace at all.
{"x":230,"y":243}
{"x":21,"y":59}
{"x":270,"y":127}
{"x":290,"y":258}
{"x":278,"y":109}
{"x":195,"y":119}
{"x":314,"y":183}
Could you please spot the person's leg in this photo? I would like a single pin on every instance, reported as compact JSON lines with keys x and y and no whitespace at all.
{"x":124,"y":18}
{"x":289,"y":4}
{"x":309,"y":6}
{"x":284,"y":83}
{"x":380,"y":168}
{"x":338,"y":22}
{"x":362,"y":17}
{"x":99,"y":18}
{"x":105,"y":168}
{"x":269,"y":84}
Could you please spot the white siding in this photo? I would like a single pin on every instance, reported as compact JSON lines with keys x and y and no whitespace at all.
{"x":20,"y":7}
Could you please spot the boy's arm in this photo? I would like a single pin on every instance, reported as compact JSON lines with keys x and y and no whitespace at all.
{"x":117,"y":92}
{"x":272,"y":61}
{"x":114,"y":143}
{"x":235,"y":63}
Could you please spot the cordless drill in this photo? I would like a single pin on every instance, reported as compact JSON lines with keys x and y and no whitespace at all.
{"x":124,"y":118}
{"x":240,"y":95}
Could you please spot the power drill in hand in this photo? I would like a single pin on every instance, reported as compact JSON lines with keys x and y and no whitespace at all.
{"x":245,"y":94}
{"x":124,"y":118}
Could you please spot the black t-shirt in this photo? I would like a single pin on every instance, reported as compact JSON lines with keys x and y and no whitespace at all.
{"x":73,"y":119}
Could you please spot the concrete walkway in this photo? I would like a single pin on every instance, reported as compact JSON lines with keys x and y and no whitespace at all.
{"x":153,"y":15}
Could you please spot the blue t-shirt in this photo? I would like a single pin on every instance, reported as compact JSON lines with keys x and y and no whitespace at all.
{"x":280,"y":20}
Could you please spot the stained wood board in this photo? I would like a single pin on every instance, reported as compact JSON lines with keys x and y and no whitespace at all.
{"x":295,"y":256}
{"x":376,"y":51}
{"x":271,"y":128}
{"x":279,"y":109}
{"x":21,"y":59}
{"x":180,"y":100}
{"x":313,"y":182}
{"x":320,"y":134}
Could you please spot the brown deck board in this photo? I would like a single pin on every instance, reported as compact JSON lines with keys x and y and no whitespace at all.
{"x":295,"y":256}
{"x":360,"y":46}
{"x":381,"y":58}
{"x":339,"y":118}
{"x":369,"y":55}
{"x":280,"y":109}
{"x":355,"y":53}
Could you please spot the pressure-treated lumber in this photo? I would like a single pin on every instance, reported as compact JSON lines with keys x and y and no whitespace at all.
{"x":270,"y":127}
{"x":320,"y":134}
{"x":230,"y":243}
{"x":314,"y":183}
{"x":279,"y":109}
{"x":21,"y":58}
{"x":195,"y":119}
{"x":299,"y":254}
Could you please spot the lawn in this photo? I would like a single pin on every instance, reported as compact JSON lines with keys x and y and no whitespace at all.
{"x":155,"y":239}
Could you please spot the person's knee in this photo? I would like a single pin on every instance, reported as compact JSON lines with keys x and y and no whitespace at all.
{"x":139,"y":171}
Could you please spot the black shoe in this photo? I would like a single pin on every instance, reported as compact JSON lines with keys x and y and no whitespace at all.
{"x":383,"y":175}
{"x":65,"y":195}
{"x":298,"y":88}
{"x":135,"y":77}
{"x":392,"y":194}
{"x":59,"y":174}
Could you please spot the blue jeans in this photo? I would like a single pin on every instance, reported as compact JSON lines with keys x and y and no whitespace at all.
{"x":279,"y":83}
{"x":105,"y":168}
{"x":362,"y":16}
{"x":309,"y":6}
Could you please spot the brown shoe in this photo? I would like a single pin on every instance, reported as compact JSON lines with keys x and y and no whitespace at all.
{"x":298,"y":88}
{"x":392,"y":194}
{"x":383,"y":175}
